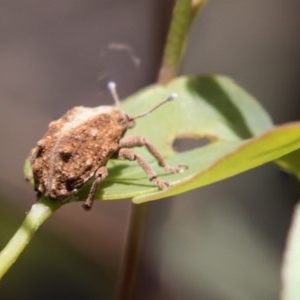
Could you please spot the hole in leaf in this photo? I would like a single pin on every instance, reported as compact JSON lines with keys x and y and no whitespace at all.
{"x":182,"y":144}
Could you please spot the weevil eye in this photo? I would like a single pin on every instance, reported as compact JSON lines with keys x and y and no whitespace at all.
{"x":131,"y":123}
{"x":126,"y":121}
{"x":122,"y":121}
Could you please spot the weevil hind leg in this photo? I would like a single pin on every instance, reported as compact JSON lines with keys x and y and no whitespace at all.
{"x":128,"y":154}
{"x":138,"y":141}
{"x":100,"y":175}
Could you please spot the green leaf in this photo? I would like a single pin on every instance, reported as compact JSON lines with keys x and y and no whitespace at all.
{"x":213,"y":108}
{"x":240,"y":132}
{"x":291,"y":163}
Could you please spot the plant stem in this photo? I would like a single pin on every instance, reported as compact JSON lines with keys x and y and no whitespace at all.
{"x":132,"y":252}
{"x":183,"y":13}
{"x":37,"y":215}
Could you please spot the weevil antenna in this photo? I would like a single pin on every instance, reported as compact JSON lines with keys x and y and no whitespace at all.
{"x":172,"y":97}
{"x":113,"y":90}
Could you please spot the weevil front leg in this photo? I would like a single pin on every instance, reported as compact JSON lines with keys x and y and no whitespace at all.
{"x":129,"y":154}
{"x":100,"y":174}
{"x":138,"y":141}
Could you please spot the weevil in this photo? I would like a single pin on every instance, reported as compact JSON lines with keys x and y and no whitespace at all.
{"x":77,"y":147}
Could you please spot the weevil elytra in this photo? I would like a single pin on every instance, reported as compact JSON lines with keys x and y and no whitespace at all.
{"x":77,"y":147}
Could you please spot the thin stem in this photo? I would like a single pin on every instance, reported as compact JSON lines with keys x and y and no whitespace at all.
{"x":132,"y":252}
{"x":37,"y":215}
{"x":183,"y":14}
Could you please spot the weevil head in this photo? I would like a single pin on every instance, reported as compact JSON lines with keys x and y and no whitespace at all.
{"x":123,"y":119}
{"x":131,"y":122}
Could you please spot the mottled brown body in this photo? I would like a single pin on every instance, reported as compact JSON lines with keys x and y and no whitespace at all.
{"x":74,"y":147}
{"x":77,"y":147}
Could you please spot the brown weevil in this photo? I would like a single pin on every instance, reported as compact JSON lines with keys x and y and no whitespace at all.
{"x":77,"y":147}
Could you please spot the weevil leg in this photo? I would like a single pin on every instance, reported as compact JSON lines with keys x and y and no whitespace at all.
{"x":138,"y":141}
{"x":100,"y":174}
{"x":129,"y":154}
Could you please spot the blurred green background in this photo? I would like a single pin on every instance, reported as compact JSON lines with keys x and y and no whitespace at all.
{"x":224,"y":241}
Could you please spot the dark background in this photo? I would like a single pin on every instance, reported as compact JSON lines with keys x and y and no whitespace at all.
{"x":224,"y":241}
